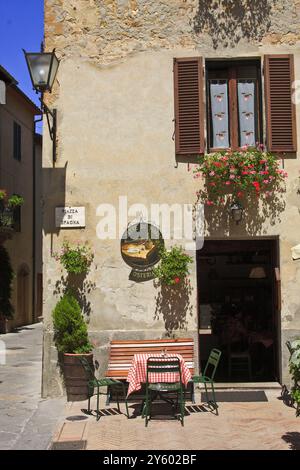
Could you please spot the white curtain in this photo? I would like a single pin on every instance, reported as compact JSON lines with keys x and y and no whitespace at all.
{"x":246,"y":97}
{"x":219,"y":113}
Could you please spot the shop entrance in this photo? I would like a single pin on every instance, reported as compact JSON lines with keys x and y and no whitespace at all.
{"x":238,"y":305}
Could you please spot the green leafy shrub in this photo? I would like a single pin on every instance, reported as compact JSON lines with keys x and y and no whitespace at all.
{"x":77,"y":259}
{"x":70,"y":329}
{"x":294,"y":368}
{"x":15,"y":201}
{"x":173,"y":267}
{"x":6,"y":278}
{"x":2,"y":194}
{"x":7,"y":207}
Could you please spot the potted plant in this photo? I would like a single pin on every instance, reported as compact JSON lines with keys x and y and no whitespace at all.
{"x":6,"y":278}
{"x":173,"y":267}
{"x":75,"y":259}
{"x":15,"y":201}
{"x":231,"y":175}
{"x":7,"y":207}
{"x":72,"y":342}
{"x":294,"y":367}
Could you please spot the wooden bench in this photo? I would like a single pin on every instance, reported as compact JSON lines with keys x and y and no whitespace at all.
{"x":122,"y":352}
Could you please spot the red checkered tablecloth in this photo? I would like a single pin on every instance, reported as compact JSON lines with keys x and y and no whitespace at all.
{"x":138,"y":372}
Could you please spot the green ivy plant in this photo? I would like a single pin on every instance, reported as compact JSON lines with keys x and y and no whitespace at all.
{"x":173,"y":267}
{"x":70,"y":329}
{"x":6,"y":278}
{"x":294,"y":368}
{"x":75,"y":259}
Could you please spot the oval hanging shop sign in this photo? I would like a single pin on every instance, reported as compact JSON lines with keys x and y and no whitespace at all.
{"x":140,"y":245}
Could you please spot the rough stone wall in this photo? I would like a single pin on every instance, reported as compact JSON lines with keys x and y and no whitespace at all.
{"x":105,"y":31}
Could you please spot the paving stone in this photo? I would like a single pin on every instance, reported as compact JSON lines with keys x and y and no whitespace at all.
{"x":252,"y":425}
{"x":28,"y":420}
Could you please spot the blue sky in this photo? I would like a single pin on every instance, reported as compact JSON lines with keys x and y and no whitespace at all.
{"x":21,"y":26}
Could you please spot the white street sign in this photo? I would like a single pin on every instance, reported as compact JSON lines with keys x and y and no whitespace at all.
{"x":70,"y":217}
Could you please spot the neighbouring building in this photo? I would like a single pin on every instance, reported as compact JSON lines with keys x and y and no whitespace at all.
{"x":20,"y":174}
{"x":135,"y":99}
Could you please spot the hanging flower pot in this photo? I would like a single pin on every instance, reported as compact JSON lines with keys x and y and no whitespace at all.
{"x":230,"y":176}
{"x":7,"y":209}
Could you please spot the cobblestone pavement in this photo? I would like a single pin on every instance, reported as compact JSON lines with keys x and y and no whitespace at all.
{"x":26,"y":420}
{"x":240,"y":425}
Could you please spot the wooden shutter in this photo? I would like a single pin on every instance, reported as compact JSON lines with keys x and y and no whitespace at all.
{"x":280,"y":110}
{"x":15,"y":144}
{"x":17,"y":141}
{"x":189,"y":106}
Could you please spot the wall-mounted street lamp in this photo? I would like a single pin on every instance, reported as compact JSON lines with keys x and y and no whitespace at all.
{"x":43,"y":68}
{"x":236,"y":211}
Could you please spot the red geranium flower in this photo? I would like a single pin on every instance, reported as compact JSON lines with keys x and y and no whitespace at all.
{"x":177,"y":280}
{"x":256,"y":185}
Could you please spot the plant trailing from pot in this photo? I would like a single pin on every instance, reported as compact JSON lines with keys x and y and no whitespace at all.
{"x":7,"y":208}
{"x":239,"y":174}
{"x":71,"y":339}
{"x":294,"y":368}
{"x":173,"y":267}
{"x":75,"y":259}
{"x":6,"y":278}
{"x":15,"y":201}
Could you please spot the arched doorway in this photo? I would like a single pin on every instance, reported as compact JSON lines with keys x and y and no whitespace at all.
{"x":23,"y":294}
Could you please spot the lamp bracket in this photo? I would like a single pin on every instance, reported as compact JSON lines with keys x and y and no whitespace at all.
{"x":51,"y":116}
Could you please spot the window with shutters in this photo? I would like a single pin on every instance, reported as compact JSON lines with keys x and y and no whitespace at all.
{"x":232,"y":104}
{"x":17,"y":143}
{"x":233,"y":97}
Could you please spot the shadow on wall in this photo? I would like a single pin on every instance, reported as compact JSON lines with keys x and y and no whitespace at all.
{"x":229,"y":21}
{"x":173,"y":305}
{"x":293,"y":439}
{"x":80,"y":287}
{"x":54,"y":184}
{"x":218,"y":219}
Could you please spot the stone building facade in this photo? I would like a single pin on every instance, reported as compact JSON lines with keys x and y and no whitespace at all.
{"x":115,"y":101}
{"x":21,"y":174}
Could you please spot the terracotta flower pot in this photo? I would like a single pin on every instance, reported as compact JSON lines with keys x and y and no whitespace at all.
{"x":75,"y":376}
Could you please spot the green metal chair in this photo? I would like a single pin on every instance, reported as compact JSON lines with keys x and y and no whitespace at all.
{"x":95,"y":383}
{"x":207,"y":378}
{"x":153,"y":390}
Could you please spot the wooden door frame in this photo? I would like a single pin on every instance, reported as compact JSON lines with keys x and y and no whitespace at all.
{"x":275,"y":260}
